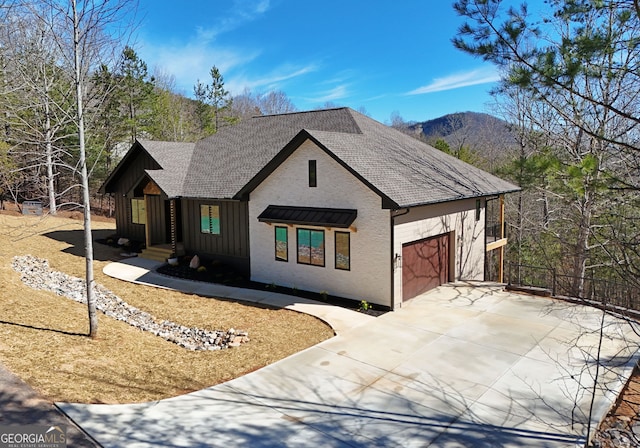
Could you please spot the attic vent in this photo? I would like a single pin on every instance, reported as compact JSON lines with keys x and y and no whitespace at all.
{"x":313,"y":174}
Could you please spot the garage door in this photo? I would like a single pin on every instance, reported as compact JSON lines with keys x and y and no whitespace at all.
{"x":425,"y":265}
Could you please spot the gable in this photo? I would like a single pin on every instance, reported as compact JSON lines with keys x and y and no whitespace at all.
{"x":299,"y":140}
{"x":166,"y":163}
{"x":402,"y":171}
{"x":225,"y":162}
{"x":130,"y":170}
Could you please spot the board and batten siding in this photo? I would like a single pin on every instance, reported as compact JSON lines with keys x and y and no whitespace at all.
{"x":124,"y":184}
{"x":458,"y":219}
{"x":156,"y":219}
{"x":232,"y":245}
{"x":369,"y":277}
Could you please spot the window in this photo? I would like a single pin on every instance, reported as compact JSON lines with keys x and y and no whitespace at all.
{"x":282,"y":244}
{"x":313,"y":174}
{"x":343,"y":251}
{"x":477,"y":209}
{"x":138,"y":211}
{"x":210,"y":219}
{"x":311,"y":247}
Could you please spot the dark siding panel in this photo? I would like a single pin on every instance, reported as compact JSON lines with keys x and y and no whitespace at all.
{"x":237,"y":242}
{"x":121,"y":214}
{"x":234,"y":227}
{"x":124,"y":226}
{"x":156,"y":219}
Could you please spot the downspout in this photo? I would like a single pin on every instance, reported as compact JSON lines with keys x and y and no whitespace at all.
{"x":393,"y":254}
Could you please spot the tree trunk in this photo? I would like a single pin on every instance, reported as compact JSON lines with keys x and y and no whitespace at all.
{"x":582,"y":249}
{"x":88,"y":241}
{"x":53,"y":207}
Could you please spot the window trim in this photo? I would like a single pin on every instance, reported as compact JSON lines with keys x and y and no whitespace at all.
{"x":335,"y":251}
{"x":313,"y":173}
{"x":209,"y":216}
{"x":324,"y":254}
{"x":478,"y":208}
{"x":142,"y":219}
{"x":286,"y":243}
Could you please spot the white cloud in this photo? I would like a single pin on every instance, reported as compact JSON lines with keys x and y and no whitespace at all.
{"x":268,"y":81}
{"x":193,"y":61}
{"x":242,"y":12}
{"x":483,"y":75}
{"x":336,"y":93}
{"x":192,"y":58}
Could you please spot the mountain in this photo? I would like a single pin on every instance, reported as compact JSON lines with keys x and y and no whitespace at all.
{"x":484,"y":134}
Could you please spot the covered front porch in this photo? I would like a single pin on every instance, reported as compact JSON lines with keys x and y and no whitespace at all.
{"x":162,"y":224}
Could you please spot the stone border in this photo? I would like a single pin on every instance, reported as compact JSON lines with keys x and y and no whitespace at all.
{"x":35,"y":273}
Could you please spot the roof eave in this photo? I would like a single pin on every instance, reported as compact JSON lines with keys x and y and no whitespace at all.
{"x":460,"y":198}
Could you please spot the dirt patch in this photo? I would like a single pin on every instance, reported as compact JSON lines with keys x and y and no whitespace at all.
{"x":43,"y":335}
{"x":621,"y":427}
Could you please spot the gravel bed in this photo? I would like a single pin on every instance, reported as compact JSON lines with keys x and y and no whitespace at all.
{"x":35,"y":273}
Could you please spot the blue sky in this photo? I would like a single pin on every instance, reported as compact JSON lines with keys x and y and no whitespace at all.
{"x":383,"y":56}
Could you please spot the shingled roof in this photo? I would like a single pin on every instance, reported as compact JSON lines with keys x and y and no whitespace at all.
{"x":403,"y":170}
{"x":170,"y":165}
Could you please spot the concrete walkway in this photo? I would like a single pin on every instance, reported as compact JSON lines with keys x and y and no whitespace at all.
{"x":142,"y":271}
{"x":460,"y":366}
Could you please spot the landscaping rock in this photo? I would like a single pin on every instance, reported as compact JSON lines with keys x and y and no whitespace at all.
{"x":35,"y":273}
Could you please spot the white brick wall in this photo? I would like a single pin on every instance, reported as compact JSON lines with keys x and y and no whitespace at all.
{"x":369,"y":277}
{"x":467,"y":250}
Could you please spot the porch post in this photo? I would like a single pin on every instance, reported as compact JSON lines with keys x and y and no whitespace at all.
{"x":172,"y":219}
{"x":501,"y":250}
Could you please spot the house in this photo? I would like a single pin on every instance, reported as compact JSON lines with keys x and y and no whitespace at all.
{"x":327,"y":200}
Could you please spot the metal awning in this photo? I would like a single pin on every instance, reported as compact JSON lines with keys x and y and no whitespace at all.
{"x":311,"y":216}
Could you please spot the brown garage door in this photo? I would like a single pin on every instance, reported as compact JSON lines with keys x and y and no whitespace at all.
{"x":425,"y":265}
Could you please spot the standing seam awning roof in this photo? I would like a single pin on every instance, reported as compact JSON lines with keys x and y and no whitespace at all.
{"x":313,"y":216}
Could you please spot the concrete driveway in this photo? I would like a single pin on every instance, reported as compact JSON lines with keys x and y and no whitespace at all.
{"x":460,"y":366}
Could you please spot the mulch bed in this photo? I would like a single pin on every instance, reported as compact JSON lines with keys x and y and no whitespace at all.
{"x":215,"y":272}
{"x":220,"y":273}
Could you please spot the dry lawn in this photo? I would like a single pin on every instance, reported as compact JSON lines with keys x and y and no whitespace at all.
{"x":42,"y":335}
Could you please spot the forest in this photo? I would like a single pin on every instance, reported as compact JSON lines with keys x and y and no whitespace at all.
{"x":570,"y":95}
{"x":123,"y":101}
{"x":570,"y":92}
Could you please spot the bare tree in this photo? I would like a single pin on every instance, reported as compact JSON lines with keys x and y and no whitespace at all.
{"x":276,"y":102}
{"x":248,"y":104}
{"x":79,"y":30}
{"x":35,"y":100}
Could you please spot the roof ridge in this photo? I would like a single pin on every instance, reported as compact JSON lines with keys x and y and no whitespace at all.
{"x":301,"y":112}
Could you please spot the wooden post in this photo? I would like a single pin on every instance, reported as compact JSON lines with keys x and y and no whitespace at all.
{"x":501,"y":250}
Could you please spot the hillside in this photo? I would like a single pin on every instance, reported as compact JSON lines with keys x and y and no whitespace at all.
{"x":484,"y":134}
